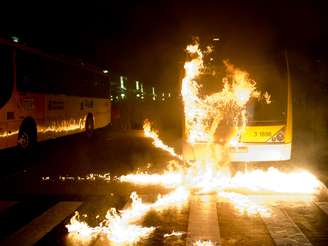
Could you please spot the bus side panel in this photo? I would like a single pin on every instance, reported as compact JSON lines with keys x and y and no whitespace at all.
{"x":63,"y":116}
{"x":3,"y":129}
{"x":102,"y":115}
{"x":31,"y":105}
{"x":9,"y":124}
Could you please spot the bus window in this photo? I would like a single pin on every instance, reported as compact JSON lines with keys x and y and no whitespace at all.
{"x":93,"y":85}
{"x":260,"y":111}
{"x":274,"y":82}
{"x":6,"y":73}
{"x":32,"y":73}
{"x":42,"y":75}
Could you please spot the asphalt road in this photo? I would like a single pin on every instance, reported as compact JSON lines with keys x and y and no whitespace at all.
{"x":76,"y":156}
{"x":56,"y":179}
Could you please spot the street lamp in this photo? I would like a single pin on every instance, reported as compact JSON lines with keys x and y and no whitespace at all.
{"x":15,"y":39}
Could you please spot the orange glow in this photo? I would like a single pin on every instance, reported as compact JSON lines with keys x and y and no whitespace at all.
{"x":64,"y":126}
{"x":8,"y":133}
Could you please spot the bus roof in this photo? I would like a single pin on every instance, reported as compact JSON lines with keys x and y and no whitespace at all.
{"x":59,"y":58}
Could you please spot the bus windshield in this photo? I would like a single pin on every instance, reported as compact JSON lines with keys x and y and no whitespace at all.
{"x":5,"y":74}
{"x":273,"y":110}
{"x":261,"y":111}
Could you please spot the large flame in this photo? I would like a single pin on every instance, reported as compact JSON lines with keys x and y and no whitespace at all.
{"x":203,"y":115}
{"x":149,"y":132}
{"x":121,"y":227}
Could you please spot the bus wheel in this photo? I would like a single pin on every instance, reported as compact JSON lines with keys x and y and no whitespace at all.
{"x":27,"y":135}
{"x":89,"y":126}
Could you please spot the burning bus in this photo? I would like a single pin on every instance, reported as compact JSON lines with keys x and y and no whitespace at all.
{"x":239,"y":122}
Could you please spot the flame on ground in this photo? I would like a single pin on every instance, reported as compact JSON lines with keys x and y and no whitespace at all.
{"x":202,"y":176}
{"x":89,"y":177}
{"x":244,"y":205}
{"x":273,"y":180}
{"x":174,"y":234}
{"x":121,"y":227}
{"x":203,"y":243}
{"x":204,"y":179}
{"x":167,"y":179}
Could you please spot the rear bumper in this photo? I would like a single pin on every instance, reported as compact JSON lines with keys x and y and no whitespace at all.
{"x":244,"y":152}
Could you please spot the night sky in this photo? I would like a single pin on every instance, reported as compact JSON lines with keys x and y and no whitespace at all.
{"x":145,"y":40}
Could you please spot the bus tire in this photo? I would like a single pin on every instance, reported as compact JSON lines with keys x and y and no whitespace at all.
{"x":27,"y":135}
{"x":89,"y":126}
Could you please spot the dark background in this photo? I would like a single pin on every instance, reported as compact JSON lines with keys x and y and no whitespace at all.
{"x":145,"y":39}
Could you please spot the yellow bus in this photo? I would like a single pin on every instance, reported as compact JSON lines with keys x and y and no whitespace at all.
{"x":44,"y":96}
{"x":268,"y":134}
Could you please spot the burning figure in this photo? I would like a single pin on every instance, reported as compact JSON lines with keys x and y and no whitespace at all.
{"x":204,"y":114}
{"x":215,"y":118}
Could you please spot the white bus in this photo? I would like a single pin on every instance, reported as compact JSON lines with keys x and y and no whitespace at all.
{"x":44,"y":96}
